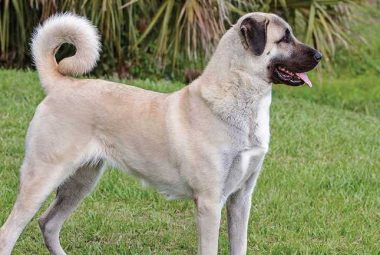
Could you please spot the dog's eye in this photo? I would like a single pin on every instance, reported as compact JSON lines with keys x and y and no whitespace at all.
{"x":286,"y":37}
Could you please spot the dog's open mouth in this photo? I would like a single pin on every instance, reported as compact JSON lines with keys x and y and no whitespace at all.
{"x":291,"y":78}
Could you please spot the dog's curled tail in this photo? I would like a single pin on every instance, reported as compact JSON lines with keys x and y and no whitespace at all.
{"x":59,"y":29}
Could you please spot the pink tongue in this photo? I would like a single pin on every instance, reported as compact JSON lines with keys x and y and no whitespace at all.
{"x":305,"y":78}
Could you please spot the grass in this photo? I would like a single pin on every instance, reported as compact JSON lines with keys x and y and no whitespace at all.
{"x":318,"y":194}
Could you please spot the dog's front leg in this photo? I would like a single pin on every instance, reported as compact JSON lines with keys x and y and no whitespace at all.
{"x":238,"y":209}
{"x":208,"y":219}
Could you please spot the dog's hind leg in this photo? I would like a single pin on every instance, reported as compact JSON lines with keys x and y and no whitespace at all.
{"x":69,"y":196}
{"x":38,"y":179}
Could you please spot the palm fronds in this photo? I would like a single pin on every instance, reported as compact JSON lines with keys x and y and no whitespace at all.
{"x":165,"y":34}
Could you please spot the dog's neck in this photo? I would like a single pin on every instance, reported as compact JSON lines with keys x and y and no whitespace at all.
{"x":226,"y":85}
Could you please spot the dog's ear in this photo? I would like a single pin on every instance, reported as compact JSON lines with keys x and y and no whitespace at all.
{"x":254,"y":34}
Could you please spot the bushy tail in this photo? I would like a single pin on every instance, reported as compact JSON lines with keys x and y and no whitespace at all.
{"x":59,"y":29}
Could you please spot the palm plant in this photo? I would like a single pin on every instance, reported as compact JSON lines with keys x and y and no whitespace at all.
{"x":163,"y":34}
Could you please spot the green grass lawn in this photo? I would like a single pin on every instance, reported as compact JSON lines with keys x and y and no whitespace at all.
{"x":319,"y":192}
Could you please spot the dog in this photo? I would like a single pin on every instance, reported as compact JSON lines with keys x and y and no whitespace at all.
{"x":206,"y":141}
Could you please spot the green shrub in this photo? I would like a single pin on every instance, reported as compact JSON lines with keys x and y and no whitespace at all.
{"x":161,"y":37}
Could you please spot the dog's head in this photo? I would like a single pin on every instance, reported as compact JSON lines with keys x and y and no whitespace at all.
{"x":268,"y":39}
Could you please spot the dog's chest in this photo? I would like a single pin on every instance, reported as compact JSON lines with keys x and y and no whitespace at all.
{"x":252,"y":147}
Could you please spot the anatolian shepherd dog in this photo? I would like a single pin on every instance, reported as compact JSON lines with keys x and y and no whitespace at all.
{"x":206,"y":141}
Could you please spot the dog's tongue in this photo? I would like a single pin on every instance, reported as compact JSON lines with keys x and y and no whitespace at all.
{"x":305,"y":78}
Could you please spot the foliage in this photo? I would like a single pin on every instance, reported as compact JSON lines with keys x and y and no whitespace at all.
{"x":150,"y":37}
{"x":367,"y":59}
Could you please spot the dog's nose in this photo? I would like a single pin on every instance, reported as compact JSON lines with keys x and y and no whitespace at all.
{"x":317,"y":56}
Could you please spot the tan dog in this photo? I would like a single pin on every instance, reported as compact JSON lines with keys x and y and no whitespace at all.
{"x":206,"y":142}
